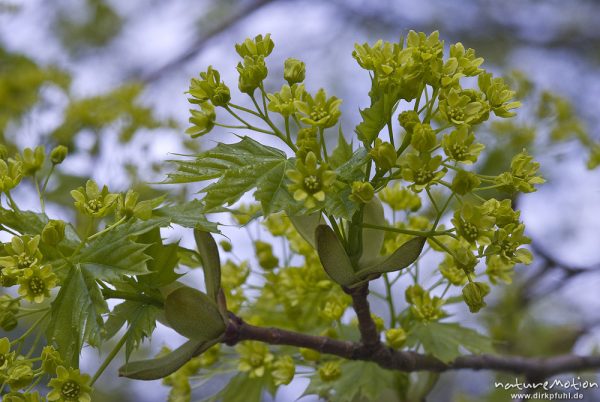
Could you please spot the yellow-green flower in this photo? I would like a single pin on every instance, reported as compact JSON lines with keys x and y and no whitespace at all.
{"x":128,"y":206}
{"x":251,"y":74}
{"x":209,"y":88}
{"x":455,"y":275}
{"x":458,"y":108}
{"x":19,"y":374}
{"x":11,"y":173}
{"x":265,"y":256}
{"x":384,"y":155}
{"x":70,"y":386}
{"x":50,"y":360}
{"x":423,"y":306}
{"x":474,"y":293}
{"x":6,"y":356}
{"x":255,"y":358}
{"x":283,"y":370}
{"x":32,"y":160}
{"x":498,"y":270}
{"x":309,"y":182}
{"x":506,"y":242}
{"x":422,"y":170}
{"x":330,"y":371}
{"x":362,"y":192}
{"x":473,"y":224}
{"x":282,"y":102}
{"x":259,"y":46}
{"x":319,"y":111}
{"x":202,"y":120}
{"x":22,"y":253}
{"x":459,"y":146}
{"x":93,"y":202}
{"x":395,"y":337}
{"x":36,"y":283}
{"x":54,"y":232}
{"x":399,"y":198}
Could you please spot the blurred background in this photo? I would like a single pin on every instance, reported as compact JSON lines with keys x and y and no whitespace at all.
{"x":133,"y":60}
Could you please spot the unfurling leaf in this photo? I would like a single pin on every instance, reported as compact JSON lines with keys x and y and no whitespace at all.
{"x":192,"y":314}
{"x":333,"y":256}
{"x":306,"y":225}
{"x":153,"y":369}
{"x":405,"y":255}
{"x":372,"y":239}
{"x":211,"y":263}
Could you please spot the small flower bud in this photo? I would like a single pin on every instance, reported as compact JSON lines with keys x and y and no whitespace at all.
{"x":226,"y":246}
{"x":395,"y":337}
{"x":473,"y":293}
{"x":58,"y":154}
{"x":283,"y":370}
{"x":294,"y":71}
{"x":264,"y":254}
{"x":362,"y":192}
{"x":384,"y":155}
{"x":54,"y":232}
{"x":408,"y":119}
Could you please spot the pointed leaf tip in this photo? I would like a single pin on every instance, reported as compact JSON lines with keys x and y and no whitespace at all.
{"x":333,"y":256}
{"x":211,"y":263}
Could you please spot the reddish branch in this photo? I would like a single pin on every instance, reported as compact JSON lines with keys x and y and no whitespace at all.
{"x":371,"y":349}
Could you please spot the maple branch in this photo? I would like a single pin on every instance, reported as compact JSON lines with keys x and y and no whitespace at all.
{"x":368,"y":330}
{"x":532,"y":367}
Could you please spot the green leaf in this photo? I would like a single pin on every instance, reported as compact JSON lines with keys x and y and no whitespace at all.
{"x":76,"y":315}
{"x":341,"y":153}
{"x":239,"y":168}
{"x":192,"y":314}
{"x":372,"y":239}
{"x":444,"y":340}
{"x":241,"y":388}
{"x":142,"y":321}
{"x":114,"y":253}
{"x":306,"y":225}
{"x":375,"y":117}
{"x":189,"y":215}
{"x":361,"y":381}
{"x":153,"y":369}
{"x":354,"y":168}
{"x":405,"y":255}
{"x":333,"y":256}
{"x":211,"y":263}
{"x":163,"y":260}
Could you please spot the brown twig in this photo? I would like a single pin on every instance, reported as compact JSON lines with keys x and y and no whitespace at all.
{"x":407,"y":361}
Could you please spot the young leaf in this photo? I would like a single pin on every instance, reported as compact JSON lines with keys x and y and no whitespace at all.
{"x":153,"y":369}
{"x":76,"y":315}
{"x":333,"y":256}
{"x":372,"y":239}
{"x":405,"y":255}
{"x":192,"y":314}
{"x":114,"y":254}
{"x":162,"y":263}
{"x":239,"y":168}
{"x":189,"y":215}
{"x":443,"y":340}
{"x":211,"y":263}
{"x":305,"y":225}
{"x":142,"y":321}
